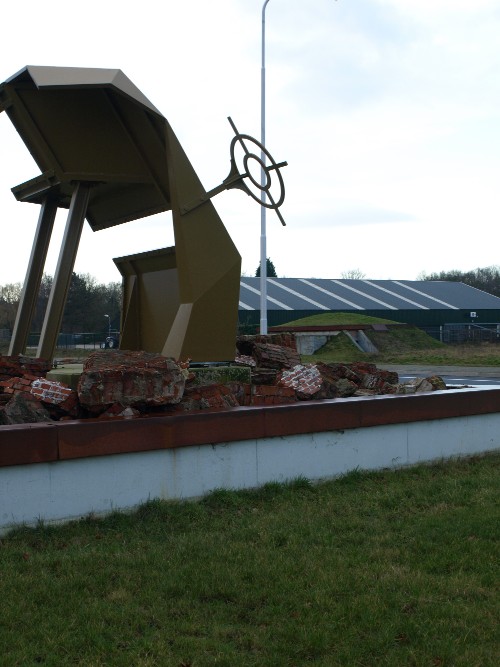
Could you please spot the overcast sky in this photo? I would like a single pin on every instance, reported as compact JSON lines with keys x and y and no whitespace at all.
{"x":387,"y":112}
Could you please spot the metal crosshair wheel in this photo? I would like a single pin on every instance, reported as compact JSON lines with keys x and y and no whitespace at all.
{"x":258,"y":172}
{"x":255,"y":169}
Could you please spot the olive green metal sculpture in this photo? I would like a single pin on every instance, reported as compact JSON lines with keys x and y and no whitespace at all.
{"x":108,"y":155}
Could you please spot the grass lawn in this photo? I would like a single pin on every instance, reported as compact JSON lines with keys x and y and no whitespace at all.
{"x":388,"y":568}
{"x":407,"y":346}
{"x":399,"y":345}
{"x":60,"y":352}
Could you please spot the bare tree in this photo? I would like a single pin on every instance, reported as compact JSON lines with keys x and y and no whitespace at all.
{"x":86,"y":305}
{"x":486,"y":279}
{"x":9,"y":300}
{"x":353,"y":274}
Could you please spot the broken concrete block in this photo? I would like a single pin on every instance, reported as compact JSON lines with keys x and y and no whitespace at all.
{"x":315,"y":381}
{"x":219,"y":374}
{"x":19,"y":365}
{"x":51,"y":392}
{"x":416,"y":385}
{"x":404,"y":388}
{"x":275,"y":356}
{"x":264,"y":376}
{"x":304,"y":379}
{"x":206,"y":397}
{"x":345,"y":388}
{"x":437,"y":382}
{"x":245,"y":344}
{"x":423,"y":385}
{"x":23,"y":408}
{"x":245,"y":360}
{"x":135,"y":378}
{"x":242,"y":391}
{"x":56,"y":396}
{"x":119,"y":410}
{"x":272,"y":395}
{"x":269,"y":351}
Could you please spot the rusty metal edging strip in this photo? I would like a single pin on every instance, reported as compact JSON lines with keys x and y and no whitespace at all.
{"x":21,"y":444}
{"x":37,"y":443}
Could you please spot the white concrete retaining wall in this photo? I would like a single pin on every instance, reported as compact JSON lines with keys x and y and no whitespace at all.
{"x":70,"y":489}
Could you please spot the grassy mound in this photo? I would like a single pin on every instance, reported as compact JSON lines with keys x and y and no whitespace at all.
{"x":398,"y":345}
{"x":393,"y":345}
{"x":323,"y":319}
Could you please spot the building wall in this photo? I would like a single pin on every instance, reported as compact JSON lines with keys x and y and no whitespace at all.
{"x":419,"y":318}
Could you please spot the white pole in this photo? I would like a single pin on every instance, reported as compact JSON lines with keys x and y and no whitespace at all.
{"x":263,"y":252}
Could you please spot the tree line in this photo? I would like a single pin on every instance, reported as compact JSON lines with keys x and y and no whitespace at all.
{"x":486,"y":279}
{"x":87,"y":306}
{"x":89,"y":302}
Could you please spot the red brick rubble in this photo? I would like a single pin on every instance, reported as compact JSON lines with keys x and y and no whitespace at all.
{"x":128,"y":384}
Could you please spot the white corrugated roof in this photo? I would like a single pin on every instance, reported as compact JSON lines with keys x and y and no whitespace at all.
{"x":341,"y":295}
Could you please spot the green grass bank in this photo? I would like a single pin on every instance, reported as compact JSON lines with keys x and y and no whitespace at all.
{"x":390,"y":568}
{"x":398,"y":345}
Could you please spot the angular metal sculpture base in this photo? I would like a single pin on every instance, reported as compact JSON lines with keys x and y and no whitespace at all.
{"x":60,"y":286}
{"x":34,"y":274}
{"x":183,"y":301}
{"x":153,"y":319}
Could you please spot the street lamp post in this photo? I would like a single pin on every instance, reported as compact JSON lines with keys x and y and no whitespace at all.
{"x":109,"y":324}
{"x":263,"y":251}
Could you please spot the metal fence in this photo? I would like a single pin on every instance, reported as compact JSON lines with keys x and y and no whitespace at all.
{"x":446,"y":333}
{"x":72,"y":341}
{"x":465,"y":333}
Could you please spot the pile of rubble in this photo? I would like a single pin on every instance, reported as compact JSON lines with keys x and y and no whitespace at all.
{"x":127,"y":384}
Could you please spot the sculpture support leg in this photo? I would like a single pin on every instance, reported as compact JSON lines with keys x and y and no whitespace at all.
{"x":64,"y":270}
{"x":33,"y":278}
{"x":208,"y":270}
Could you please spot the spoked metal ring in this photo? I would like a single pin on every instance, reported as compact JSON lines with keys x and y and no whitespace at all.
{"x":265,"y":170}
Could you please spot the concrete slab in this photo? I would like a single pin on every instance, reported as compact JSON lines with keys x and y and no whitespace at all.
{"x":67,"y":373}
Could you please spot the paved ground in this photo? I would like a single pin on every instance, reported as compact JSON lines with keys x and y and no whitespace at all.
{"x":463,"y":371}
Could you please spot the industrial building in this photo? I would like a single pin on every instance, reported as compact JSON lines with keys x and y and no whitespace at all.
{"x":429,"y":305}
